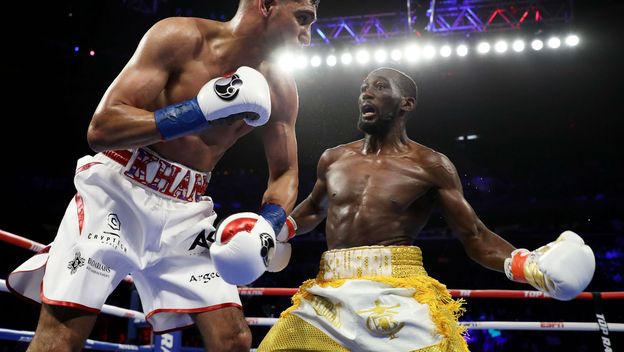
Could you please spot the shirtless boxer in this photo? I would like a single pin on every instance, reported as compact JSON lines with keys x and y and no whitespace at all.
{"x":372,"y":292}
{"x":190,"y":91}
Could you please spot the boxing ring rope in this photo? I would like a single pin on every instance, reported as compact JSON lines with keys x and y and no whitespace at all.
{"x":474,"y":325}
{"x":21,"y":241}
{"x":456,"y":293}
{"x":34,"y":246}
{"x":280,"y":291}
{"x":139,"y":317}
{"x":26,"y":336}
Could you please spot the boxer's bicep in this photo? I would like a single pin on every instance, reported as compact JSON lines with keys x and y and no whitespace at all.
{"x":164,"y":49}
{"x":459,"y":215}
{"x":481,"y":244}
{"x":123,"y":117}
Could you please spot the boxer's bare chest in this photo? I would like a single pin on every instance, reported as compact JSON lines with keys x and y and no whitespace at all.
{"x":203,"y":150}
{"x":378,"y":181}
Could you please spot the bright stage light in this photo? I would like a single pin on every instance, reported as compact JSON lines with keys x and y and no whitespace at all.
{"x":331,"y":60}
{"x":412,"y":53}
{"x":301,"y":62}
{"x":518,"y":45}
{"x":483,"y":48}
{"x":315,"y":61}
{"x":446,"y":51}
{"x":429,"y":51}
{"x":500,"y":46}
{"x":346,"y":58}
{"x":554,"y":42}
{"x":537,"y":45}
{"x":462,"y":50}
{"x":380,"y":55}
{"x":362,"y":56}
{"x":286,"y":61}
{"x":396,"y":54}
{"x":572,"y":40}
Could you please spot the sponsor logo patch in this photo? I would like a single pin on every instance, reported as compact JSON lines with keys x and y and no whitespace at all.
{"x":227,"y":87}
{"x":75,"y":263}
{"x":204,"y":278}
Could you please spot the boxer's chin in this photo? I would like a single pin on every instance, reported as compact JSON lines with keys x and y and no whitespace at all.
{"x":370,"y":127}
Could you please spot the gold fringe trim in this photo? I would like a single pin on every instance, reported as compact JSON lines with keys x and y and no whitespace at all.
{"x":444,"y":310}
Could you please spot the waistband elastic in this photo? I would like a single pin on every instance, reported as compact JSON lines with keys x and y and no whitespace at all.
{"x":350,"y":263}
{"x":146,"y":168}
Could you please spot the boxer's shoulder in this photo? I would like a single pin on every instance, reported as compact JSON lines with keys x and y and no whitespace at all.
{"x":181,"y":28}
{"x":172,"y":40}
{"x":341,"y":151}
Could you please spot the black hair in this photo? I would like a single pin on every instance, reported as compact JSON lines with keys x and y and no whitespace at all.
{"x":406,"y":83}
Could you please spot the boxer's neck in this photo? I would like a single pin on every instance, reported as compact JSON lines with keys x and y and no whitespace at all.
{"x":247,"y":33}
{"x":394,"y":140}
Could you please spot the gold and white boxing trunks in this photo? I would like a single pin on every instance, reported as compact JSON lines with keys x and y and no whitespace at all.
{"x":376,"y":298}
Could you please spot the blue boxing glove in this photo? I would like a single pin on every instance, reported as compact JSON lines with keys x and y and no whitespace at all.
{"x":243,"y":94}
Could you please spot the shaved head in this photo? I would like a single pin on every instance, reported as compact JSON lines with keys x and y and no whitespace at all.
{"x":315,"y":3}
{"x":406,"y":83}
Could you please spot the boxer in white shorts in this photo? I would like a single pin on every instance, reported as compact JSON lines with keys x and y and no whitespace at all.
{"x":104,"y":236}
{"x":190,"y":91}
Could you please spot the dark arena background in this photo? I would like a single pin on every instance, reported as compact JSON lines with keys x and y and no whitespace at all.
{"x":524,"y":97}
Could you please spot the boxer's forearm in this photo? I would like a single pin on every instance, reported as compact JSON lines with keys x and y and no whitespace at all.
{"x":122,"y":126}
{"x":487,"y":248}
{"x":282,"y":190}
{"x":308,"y":216}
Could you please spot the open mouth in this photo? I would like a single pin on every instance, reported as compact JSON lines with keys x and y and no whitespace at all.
{"x":368,"y":111}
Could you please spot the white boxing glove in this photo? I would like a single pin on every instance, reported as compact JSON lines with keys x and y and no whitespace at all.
{"x":562,"y":268}
{"x":243,"y":94}
{"x":244,"y":245}
{"x":283,"y":249}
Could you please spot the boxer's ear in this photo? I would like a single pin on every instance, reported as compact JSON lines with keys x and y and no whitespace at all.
{"x":408,"y":103}
{"x":266,"y":6}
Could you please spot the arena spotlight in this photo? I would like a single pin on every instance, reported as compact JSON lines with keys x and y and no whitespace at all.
{"x":380,"y":55}
{"x":572,"y":40}
{"x":518,"y":45}
{"x":500,"y":46}
{"x":462,"y":50}
{"x":315,"y":61}
{"x":331,"y":60}
{"x":537,"y":45}
{"x":286,"y":61}
{"x":92,"y":52}
{"x":76,"y":49}
{"x":396,"y":55}
{"x":346,"y":58}
{"x":412,"y":53}
{"x":362,"y":56}
{"x":301,"y":62}
{"x":469,"y":137}
{"x":483,"y":48}
{"x":554,"y":42}
{"x":429,"y":51}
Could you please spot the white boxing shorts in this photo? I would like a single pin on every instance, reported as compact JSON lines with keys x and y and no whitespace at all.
{"x":136,"y":213}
